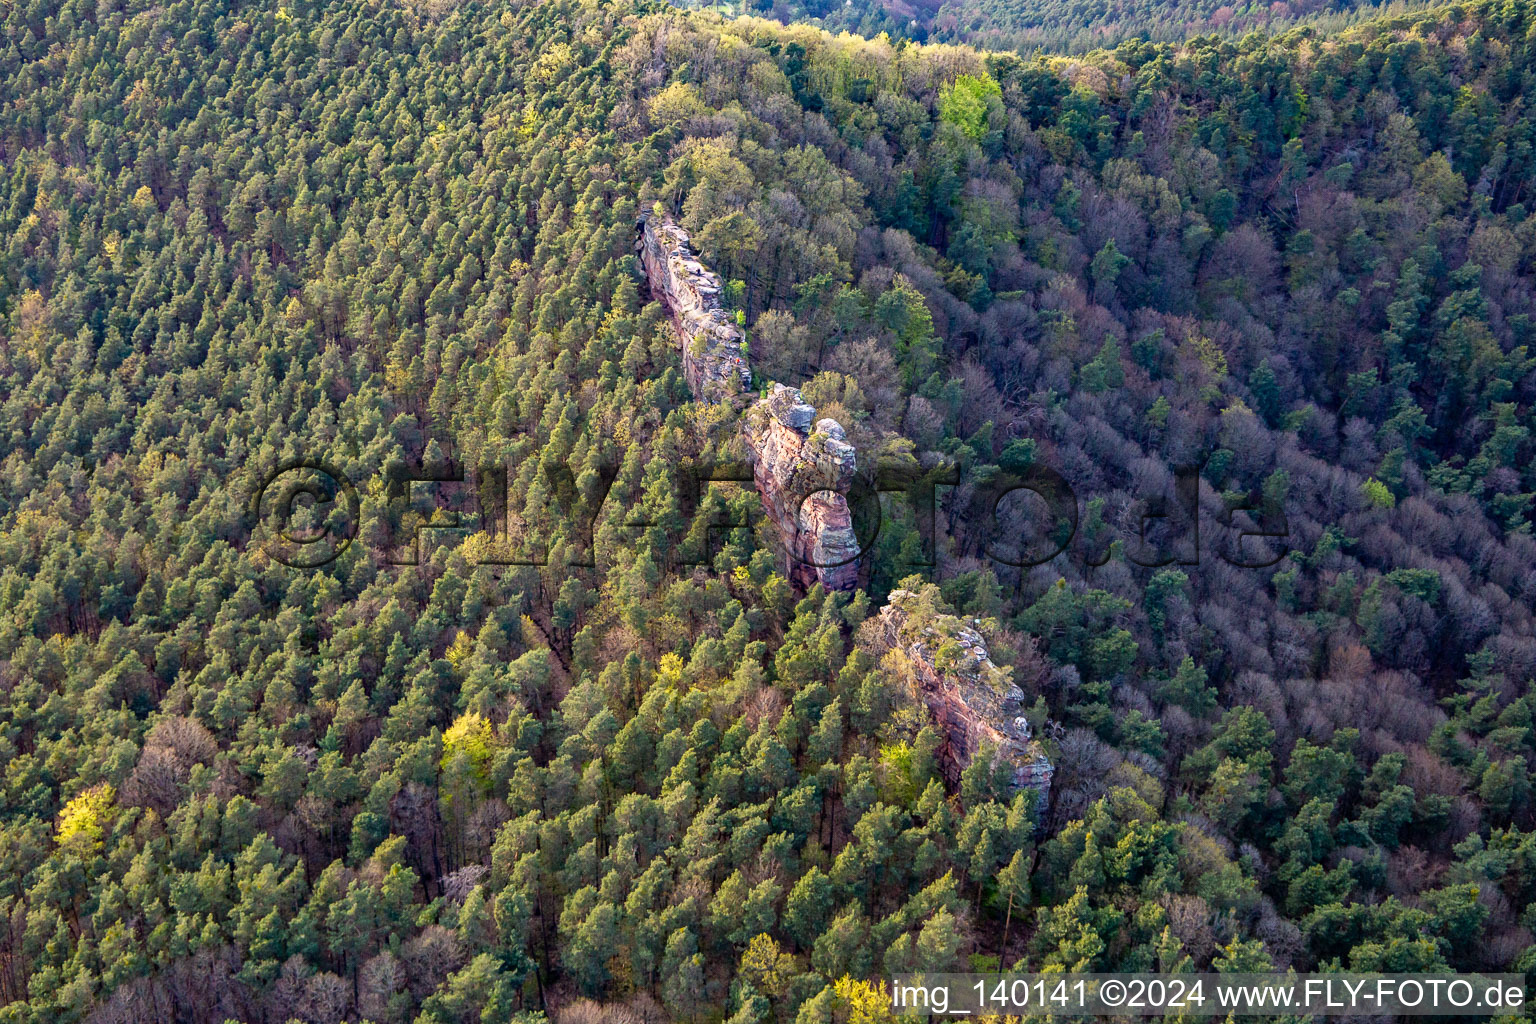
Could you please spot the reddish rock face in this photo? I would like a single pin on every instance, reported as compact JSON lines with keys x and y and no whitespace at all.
{"x":799,"y":468}
{"x":802,"y":473}
{"x":802,"y":468}
{"x":974,"y":703}
{"x":714,"y":357}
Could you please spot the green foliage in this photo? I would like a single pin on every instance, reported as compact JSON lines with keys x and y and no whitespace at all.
{"x":971,"y":103}
{"x":1377,"y":495}
{"x":402,"y":235}
{"x":1104,"y":373}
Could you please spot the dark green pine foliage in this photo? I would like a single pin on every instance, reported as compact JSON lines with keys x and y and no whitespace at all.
{"x":1294,"y":273}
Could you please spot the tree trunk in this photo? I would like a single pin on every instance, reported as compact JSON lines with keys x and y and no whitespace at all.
{"x":1002,"y":958}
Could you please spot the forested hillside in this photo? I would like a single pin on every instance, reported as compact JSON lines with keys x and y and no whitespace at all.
{"x":1054,"y":26}
{"x":647,"y":780}
{"x":1083,"y":25}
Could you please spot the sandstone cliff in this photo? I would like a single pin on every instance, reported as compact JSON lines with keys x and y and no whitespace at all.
{"x":974,"y":702}
{"x":802,"y":469}
{"x":797,"y":469}
{"x":714,"y":356}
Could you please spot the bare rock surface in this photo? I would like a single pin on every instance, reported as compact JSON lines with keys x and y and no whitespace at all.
{"x":802,"y":474}
{"x":714,"y":356}
{"x":974,"y":702}
{"x":799,"y":464}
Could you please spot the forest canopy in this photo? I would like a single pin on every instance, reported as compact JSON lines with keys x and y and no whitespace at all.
{"x":1053,"y":26}
{"x":635,"y":781}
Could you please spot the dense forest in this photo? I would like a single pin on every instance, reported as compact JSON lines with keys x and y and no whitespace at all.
{"x":1054,"y":26}
{"x":637,"y":776}
{"x":1084,"y":25}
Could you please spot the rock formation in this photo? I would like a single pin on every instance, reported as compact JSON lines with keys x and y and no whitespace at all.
{"x":974,"y":702}
{"x":802,"y":468}
{"x":802,"y":472}
{"x":714,"y":348}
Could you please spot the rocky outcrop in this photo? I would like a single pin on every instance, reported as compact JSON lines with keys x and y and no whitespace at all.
{"x":973,"y":701}
{"x":802,"y":468}
{"x":714,"y":348}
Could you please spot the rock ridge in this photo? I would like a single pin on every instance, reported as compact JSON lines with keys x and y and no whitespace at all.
{"x":974,"y":702}
{"x":801,"y":466}
{"x":714,"y":348}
